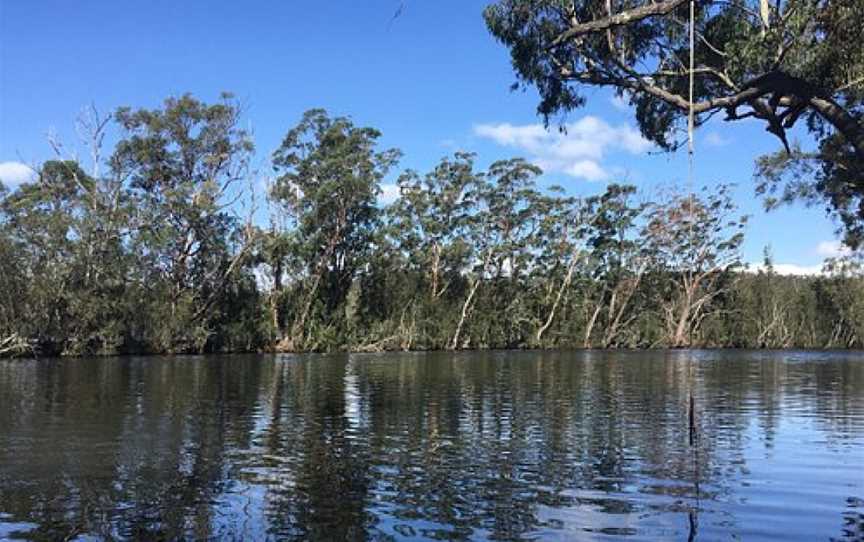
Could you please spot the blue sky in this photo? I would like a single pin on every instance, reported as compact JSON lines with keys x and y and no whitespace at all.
{"x":432,"y":80}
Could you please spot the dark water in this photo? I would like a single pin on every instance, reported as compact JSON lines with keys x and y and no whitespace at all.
{"x":584,"y":446}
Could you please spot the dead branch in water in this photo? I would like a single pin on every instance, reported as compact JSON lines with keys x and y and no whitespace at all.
{"x":14,"y":345}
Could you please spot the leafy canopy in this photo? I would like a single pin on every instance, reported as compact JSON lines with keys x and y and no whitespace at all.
{"x":785,"y":63}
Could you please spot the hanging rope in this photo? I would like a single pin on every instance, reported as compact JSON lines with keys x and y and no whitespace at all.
{"x":690,"y":176}
{"x":692,"y":421}
{"x":691,"y":145}
{"x":690,"y":116}
{"x":690,"y":113}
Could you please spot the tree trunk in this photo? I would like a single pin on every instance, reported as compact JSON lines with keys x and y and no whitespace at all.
{"x":680,"y":338}
{"x":765,"y":13}
{"x":469,"y":302}
{"x":586,"y":342}
{"x":295,"y":339}
{"x":615,"y":316}
{"x":436,"y":263}
{"x":275,"y":297}
{"x":466,"y":308}
{"x":551,"y":316}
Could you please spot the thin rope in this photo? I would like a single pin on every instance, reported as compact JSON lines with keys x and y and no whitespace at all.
{"x":693,"y":422}
{"x":691,"y":163}
{"x":691,"y":166}
{"x":690,"y":117}
{"x":690,"y":177}
{"x":692,"y":61}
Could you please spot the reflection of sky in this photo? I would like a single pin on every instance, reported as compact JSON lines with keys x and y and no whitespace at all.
{"x":555,"y":445}
{"x":9,"y":528}
{"x":352,"y":395}
{"x":802,"y":469}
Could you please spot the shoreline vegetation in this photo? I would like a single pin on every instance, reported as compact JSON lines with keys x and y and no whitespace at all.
{"x":29,"y":356}
{"x":152,"y":249}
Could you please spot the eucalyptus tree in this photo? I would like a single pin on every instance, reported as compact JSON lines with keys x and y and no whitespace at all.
{"x":771,"y":311}
{"x":428,"y":224}
{"x":40,"y":219}
{"x":149,"y":255}
{"x":69,"y":261}
{"x":37,"y":219}
{"x":615,"y":267}
{"x":273,"y":249}
{"x":13,"y":287}
{"x":328,"y":180}
{"x":502,"y":231}
{"x":845,"y":287}
{"x":694,"y":246}
{"x":785,"y":64}
{"x":431,"y":217}
{"x":183,"y":164}
{"x":562,"y":238}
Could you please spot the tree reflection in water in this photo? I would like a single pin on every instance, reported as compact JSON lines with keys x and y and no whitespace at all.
{"x":447,"y":446}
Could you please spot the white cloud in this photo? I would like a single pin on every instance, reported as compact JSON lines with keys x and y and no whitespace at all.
{"x":795,"y":269}
{"x":389,"y":194}
{"x":714,"y":139}
{"x":831,"y":249}
{"x":825,"y":249}
{"x":577,"y":151}
{"x":587,"y":169}
{"x":789,"y":269}
{"x":13,"y":174}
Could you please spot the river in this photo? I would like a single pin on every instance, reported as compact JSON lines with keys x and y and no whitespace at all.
{"x":586,"y":445}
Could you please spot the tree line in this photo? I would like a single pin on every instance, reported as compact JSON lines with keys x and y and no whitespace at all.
{"x":149,"y":250}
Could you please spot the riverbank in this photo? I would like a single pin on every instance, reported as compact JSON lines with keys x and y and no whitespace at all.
{"x":25,"y":354}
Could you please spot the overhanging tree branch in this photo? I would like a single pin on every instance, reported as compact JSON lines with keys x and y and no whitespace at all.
{"x":619,"y":19}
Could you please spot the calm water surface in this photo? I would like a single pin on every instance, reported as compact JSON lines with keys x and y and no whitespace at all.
{"x":584,"y":446}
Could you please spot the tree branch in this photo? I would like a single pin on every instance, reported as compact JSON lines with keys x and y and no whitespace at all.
{"x":620,"y":19}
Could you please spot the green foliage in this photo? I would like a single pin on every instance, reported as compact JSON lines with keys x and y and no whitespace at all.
{"x":784,"y":63}
{"x":149,"y":257}
{"x":179,"y":163}
{"x":830,"y":175}
{"x":328,"y":181}
{"x":143,"y":258}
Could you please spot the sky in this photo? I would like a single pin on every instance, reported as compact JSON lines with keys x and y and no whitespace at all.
{"x":426,"y":73}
